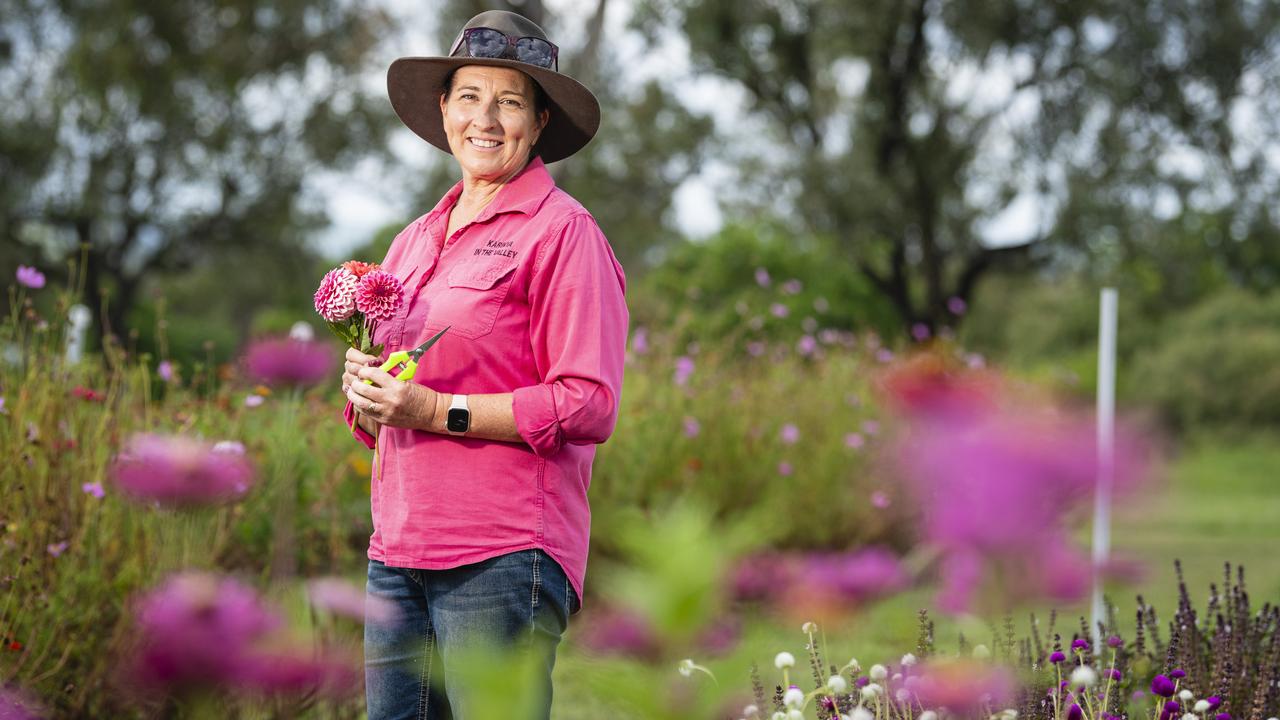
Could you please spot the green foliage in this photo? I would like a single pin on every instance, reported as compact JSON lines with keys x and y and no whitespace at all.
{"x":1217,"y":365}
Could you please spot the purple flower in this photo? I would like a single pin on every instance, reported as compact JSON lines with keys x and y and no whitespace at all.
{"x":854,"y":441}
{"x":1057,"y":656}
{"x":762,"y":277}
{"x":1115,"y":675}
{"x":691,"y":427}
{"x":30,"y":277}
{"x":871,"y":427}
{"x":2,"y":410}
{"x":779,"y":310}
{"x":755,"y":348}
{"x":785,"y":469}
{"x":853,"y":577}
{"x":684,"y":368}
{"x":792,"y":287}
{"x":1074,"y":712}
{"x":342,"y":598}
{"x":1222,"y":716}
{"x":94,"y":489}
{"x":20,"y":705}
{"x":165,"y":370}
{"x":806,"y":345}
{"x":640,"y":341}
{"x":1114,"y":641}
{"x":956,"y":305}
{"x":285,"y":361}
{"x":884,"y":355}
{"x":1079,"y":644}
{"x":1173,"y":706}
{"x":176,"y":471}
{"x":1214,"y":702}
{"x":55,"y":549}
{"x":789,"y":434}
{"x":1162,"y":686}
{"x":253,"y":400}
{"x":920,"y":332}
{"x":1177,"y":674}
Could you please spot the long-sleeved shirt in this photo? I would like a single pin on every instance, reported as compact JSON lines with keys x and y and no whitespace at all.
{"x":534,"y":299}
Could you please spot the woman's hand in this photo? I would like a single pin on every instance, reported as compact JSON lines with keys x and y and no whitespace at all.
{"x":390,"y":401}
{"x":356,"y":360}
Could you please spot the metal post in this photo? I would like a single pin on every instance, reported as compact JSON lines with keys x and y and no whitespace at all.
{"x":1107,"y":320}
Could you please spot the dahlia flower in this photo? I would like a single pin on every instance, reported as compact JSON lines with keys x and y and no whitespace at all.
{"x":360,"y":269}
{"x":176,"y":471}
{"x":335,"y":299}
{"x":379,"y":295}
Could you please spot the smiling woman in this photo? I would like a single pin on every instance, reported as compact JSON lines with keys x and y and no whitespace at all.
{"x":480,"y":515}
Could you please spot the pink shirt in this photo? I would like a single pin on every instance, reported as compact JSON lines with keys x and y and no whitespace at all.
{"x":534,"y":297}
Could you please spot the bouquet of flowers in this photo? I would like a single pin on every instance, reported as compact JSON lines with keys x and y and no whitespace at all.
{"x":354,"y":297}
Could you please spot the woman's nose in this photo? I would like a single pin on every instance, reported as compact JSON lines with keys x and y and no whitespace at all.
{"x":486,"y":117}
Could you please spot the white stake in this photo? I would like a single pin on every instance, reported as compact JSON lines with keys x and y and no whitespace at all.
{"x":1106,"y":451}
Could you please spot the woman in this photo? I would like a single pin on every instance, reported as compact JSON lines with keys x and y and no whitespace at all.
{"x":480,"y":507}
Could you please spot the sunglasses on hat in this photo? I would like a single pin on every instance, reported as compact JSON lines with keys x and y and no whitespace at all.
{"x":482,"y":42}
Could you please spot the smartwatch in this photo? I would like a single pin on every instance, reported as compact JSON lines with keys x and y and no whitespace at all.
{"x":459,"y":418}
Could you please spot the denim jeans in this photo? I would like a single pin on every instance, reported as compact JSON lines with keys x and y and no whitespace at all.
{"x":520,"y":601}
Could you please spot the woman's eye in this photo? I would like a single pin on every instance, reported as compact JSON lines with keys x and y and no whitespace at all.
{"x":512,"y":103}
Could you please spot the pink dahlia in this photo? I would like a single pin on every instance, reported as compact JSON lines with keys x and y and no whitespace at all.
{"x":176,"y":471}
{"x":336,"y":298}
{"x":285,"y":361}
{"x":379,"y":295}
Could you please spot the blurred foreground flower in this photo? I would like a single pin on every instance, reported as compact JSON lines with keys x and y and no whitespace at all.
{"x":176,"y":471}
{"x":285,"y":361}
{"x":997,"y":480}
{"x":30,"y":277}
{"x":342,"y":598}
{"x":202,"y":631}
{"x":964,"y":687}
{"x":19,"y":705}
{"x":819,"y":581}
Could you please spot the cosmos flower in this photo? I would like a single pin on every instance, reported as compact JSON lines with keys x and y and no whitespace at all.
{"x":335,"y":299}
{"x":806,"y":345}
{"x":684,"y":369}
{"x":30,"y":277}
{"x":285,"y":361}
{"x":379,"y":295}
{"x":789,"y":434}
{"x":178,"y":472}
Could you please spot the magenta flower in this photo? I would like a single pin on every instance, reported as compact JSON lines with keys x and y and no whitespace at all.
{"x":335,"y":299}
{"x":640,"y":341}
{"x":963,"y":687}
{"x":179,"y":472}
{"x":807,"y":345}
{"x":854,"y":577}
{"x":55,"y":549}
{"x":871,"y":427}
{"x":165,"y":370}
{"x":691,"y":427}
{"x":1057,"y":656}
{"x":785,"y":469}
{"x":342,"y":598}
{"x":684,"y":368}
{"x":94,"y":489}
{"x":755,"y":348}
{"x":30,"y":277}
{"x":762,"y":277}
{"x":379,"y":295}
{"x":956,"y":305}
{"x":879,"y":500}
{"x":789,"y":434}
{"x":621,"y":632}
{"x":20,"y":705}
{"x":779,"y":310}
{"x":285,"y":361}
{"x":854,"y":441}
{"x":920,"y":332}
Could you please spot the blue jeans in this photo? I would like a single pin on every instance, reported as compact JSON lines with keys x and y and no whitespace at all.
{"x":520,"y":601}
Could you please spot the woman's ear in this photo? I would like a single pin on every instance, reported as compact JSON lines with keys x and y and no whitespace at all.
{"x":444,"y":100}
{"x":543,"y":118}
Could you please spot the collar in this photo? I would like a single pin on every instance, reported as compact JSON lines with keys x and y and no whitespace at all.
{"x":524,"y":193}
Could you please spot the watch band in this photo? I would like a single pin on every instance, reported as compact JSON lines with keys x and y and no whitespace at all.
{"x":458,"y":420}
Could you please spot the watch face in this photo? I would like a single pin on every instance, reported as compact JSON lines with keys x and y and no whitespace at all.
{"x":459,"y":420}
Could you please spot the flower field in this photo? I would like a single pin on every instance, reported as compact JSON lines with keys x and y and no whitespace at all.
{"x":188,"y":541}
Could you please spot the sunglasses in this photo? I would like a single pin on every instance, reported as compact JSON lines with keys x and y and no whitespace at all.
{"x":482,"y":42}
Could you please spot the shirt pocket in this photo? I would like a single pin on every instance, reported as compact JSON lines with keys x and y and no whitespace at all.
{"x":476,"y":292}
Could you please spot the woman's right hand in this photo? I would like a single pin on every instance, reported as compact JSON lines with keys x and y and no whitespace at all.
{"x":355,"y":361}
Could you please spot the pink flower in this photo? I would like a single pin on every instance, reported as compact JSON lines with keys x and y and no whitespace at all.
{"x":55,"y":549}
{"x":792,"y":287}
{"x":762,"y":277}
{"x":285,"y":361}
{"x":30,"y":277}
{"x":785,"y":469}
{"x":884,"y":355}
{"x":94,"y":489}
{"x":379,"y":295}
{"x":621,"y":632}
{"x":165,"y":371}
{"x":177,"y":471}
{"x":640,"y":341}
{"x":871,"y":427}
{"x":684,"y":368}
{"x":854,"y":441}
{"x":755,"y":348}
{"x":879,"y":500}
{"x":789,"y":434}
{"x":342,"y":598}
{"x":957,"y":305}
{"x":963,"y":687}
{"x":20,"y":705}
{"x":920,"y":332}
{"x":253,"y":400}
{"x":779,"y":310}
{"x":806,"y":345}
{"x":856,"y":576}
{"x":335,"y":299}
{"x":691,"y":427}
{"x":360,"y":269}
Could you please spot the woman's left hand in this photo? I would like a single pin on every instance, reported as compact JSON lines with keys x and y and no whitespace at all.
{"x":392,"y":402}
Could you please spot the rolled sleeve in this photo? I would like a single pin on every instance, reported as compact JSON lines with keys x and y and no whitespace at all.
{"x":349,"y":414}
{"x":578,"y":330}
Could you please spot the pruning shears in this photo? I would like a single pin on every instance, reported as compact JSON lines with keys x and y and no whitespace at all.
{"x":407,"y":360}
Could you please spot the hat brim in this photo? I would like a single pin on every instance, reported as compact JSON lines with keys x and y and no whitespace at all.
{"x":415,"y":83}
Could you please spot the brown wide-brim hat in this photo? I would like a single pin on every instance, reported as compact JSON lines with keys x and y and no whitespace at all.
{"x":415,"y":85}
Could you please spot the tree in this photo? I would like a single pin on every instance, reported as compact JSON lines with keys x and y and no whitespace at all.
{"x":160,"y":135}
{"x":900,"y":127}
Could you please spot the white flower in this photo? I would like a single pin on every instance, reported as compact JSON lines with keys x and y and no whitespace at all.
{"x":853,"y":666}
{"x":878,"y":672}
{"x":1186,"y":695}
{"x":784,"y":660}
{"x":809,"y":628}
{"x":795,"y":715}
{"x":686,"y":667}
{"x":1190,"y":716}
{"x":793,"y":698}
{"x":870,"y":691}
{"x":779,"y":716}
{"x":1008,"y":714}
{"x":837,"y":684}
{"x":230,"y":447}
{"x":903,"y":695}
{"x":928,"y":715}
{"x":981,"y":652}
{"x":1201,"y":706}
{"x":908,"y":660}
{"x":1084,"y":676}
{"x":861,"y":713}
{"x":751,"y":711}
